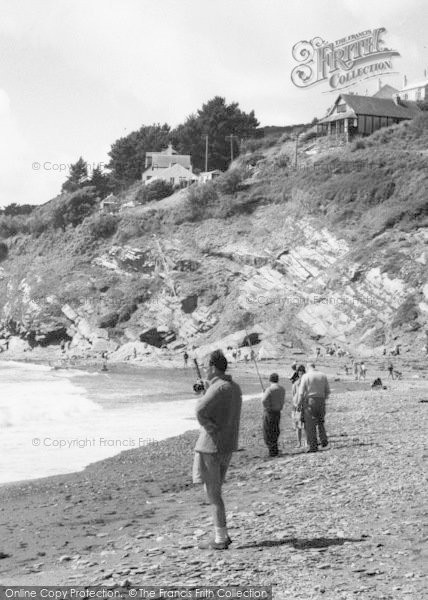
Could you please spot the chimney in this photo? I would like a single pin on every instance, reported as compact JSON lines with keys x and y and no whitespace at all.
{"x":404,"y":81}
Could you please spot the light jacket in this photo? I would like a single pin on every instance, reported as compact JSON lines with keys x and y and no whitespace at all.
{"x":219,"y":413}
{"x":313,"y":384}
{"x":273,"y":398}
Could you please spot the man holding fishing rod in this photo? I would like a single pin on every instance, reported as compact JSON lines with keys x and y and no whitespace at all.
{"x":218,"y":412}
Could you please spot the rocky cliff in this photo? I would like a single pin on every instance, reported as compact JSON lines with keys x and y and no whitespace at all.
{"x":331,"y":254}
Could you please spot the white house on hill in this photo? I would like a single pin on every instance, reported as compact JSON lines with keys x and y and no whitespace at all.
{"x":414,"y":91}
{"x":169,"y":166}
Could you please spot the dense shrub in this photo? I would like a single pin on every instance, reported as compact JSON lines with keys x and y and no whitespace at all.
{"x":357,"y":145}
{"x":230,"y":182}
{"x":38,"y":224}
{"x":102,"y":225}
{"x":10,"y":226}
{"x":74,"y":208}
{"x":157,"y":190}
{"x":309,"y":135}
{"x":199,"y":198}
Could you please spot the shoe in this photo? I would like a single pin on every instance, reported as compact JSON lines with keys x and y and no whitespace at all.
{"x":213,"y":545}
{"x":311,"y":450}
{"x":324,"y":444}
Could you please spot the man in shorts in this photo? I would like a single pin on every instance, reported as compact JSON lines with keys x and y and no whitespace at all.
{"x":314,"y":390}
{"x":218,"y":412}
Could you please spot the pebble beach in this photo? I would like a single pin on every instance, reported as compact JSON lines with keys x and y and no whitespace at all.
{"x":346,"y":522}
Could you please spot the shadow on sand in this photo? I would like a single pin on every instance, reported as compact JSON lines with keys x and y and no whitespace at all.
{"x":302,"y":544}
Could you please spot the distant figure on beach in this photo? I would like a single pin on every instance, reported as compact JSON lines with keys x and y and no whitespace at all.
{"x":356,"y":369}
{"x":390,"y":371}
{"x":219,"y":413}
{"x":313,"y":393}
{"x":363,"y":371}
{"x":346,"y":369}
{"x":273,"y":403}
{"x":294,"y":374}
{"x":318,"y":350}
{"x":296,"y":414}
{"x":234,"y":354}
{"x":62,"y":346}
{"x":185,"y":358}
{"x":104,"y":356}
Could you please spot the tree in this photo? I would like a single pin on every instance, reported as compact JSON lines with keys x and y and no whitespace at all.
{"x":218,"y":120}
{"x":102,"y":182}
{"x":78,"y":176}
{"x":75,"y":208}
{"x":18,"y":209}
{"x":128,"y":154}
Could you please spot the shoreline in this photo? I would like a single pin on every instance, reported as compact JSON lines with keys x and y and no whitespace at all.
{"x":136,"y":516}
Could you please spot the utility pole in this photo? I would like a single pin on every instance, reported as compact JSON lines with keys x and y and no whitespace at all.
{"x":297,"y":146}
{"x":206,"y":151}
{"x":231,"y":137}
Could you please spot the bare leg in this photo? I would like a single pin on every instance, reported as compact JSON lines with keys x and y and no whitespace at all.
{"x":217,"y":505}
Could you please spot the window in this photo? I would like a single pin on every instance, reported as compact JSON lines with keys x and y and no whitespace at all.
{"x":418,"y":94}
{"x":341,"y":108}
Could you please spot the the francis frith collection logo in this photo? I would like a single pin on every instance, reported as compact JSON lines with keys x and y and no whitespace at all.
{"x":344,"y":62}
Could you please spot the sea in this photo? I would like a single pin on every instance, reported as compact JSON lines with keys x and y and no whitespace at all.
{"x":55,"y":421}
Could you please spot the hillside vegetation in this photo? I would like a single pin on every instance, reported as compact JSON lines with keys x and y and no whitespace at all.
{"x":348,"y":226}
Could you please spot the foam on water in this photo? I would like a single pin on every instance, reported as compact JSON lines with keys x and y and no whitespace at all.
{"x":59,"y":421}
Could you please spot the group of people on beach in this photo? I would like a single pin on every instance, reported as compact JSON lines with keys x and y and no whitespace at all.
{"x":218,"y":412}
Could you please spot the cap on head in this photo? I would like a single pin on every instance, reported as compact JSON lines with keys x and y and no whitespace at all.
{"x":218,"y":360}
{"x":274,"y":378}
{"x":301,"y":369}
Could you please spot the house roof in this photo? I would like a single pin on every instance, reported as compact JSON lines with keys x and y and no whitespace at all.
{"x":372,"y":106}
{"x":163,"y":161}
{"x":175,"y":171}
{"x":386,"y":91}
{"x":412,"y":86}
{"x":349,"y":114}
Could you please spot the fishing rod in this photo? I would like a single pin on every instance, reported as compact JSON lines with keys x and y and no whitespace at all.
{"x":253,"y":357}
{"x":198,"y":387}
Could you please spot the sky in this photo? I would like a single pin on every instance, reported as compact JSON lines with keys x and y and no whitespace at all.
{"x":76,"y":75}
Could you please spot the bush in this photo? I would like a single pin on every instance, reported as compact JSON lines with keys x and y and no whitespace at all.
{"x":102,"y":226}
{"x":38,"y":224}
{"x":358,"y":145}
{"x":157,"y":190}
{"x":199,"y":198}
{"x":230,"y":182}
{"x":10,"y":226}
{"x":309,"y":135}
{"x":74,"y":208}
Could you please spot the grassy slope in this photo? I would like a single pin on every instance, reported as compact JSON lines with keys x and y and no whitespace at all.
{"x":369,"y":193}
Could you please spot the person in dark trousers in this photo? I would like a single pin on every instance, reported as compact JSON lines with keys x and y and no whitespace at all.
{"x":273,"y":402}
{"x":313,"y":393}
{"x":219,"y":413}
{"x":391,"y":371}
{"x":185,"y":358}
